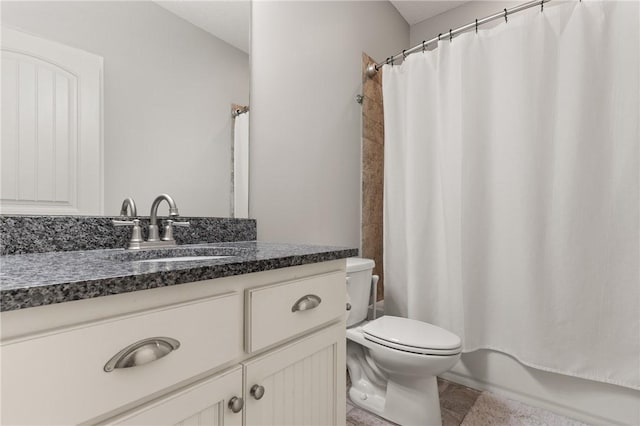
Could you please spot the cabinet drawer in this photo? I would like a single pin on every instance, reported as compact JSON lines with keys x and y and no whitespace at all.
{"x":65,"y":371}
{"x":283,"y":310}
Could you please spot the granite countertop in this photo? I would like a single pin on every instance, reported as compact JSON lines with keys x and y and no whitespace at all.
{"x":29,"y":280}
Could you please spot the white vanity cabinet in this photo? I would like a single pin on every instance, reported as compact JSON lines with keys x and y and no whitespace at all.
{"x":292,"y":385}
{"x":265,"y":348}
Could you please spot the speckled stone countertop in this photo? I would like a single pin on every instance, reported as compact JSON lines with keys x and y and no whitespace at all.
{"x":30,"y":280}
{"x":40,"y":234}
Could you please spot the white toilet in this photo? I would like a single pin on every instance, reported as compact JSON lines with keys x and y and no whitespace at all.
{"x":393,"y":362}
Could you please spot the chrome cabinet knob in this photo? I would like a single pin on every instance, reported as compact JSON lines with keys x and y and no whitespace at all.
{"x":236,"y":404}
{"x":257,"y":391}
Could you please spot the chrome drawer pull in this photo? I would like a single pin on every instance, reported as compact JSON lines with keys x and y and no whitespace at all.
{"x":310,"y":301}
{"x":142,"y":352}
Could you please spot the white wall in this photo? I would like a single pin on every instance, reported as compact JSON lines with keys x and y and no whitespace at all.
{"x":461,"y":15}
{"x":305,"y":123}
{"x":168,"y":89}
{"x":590,"y":401}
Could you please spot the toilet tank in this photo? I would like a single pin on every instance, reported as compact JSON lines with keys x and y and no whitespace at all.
{"x":359,"y":272}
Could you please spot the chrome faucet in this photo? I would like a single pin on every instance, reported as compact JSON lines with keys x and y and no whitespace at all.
{"x":136,"y":232}
{"x":153,"y":240}
{"x":153,"y":221}
{"x":128,"y":204}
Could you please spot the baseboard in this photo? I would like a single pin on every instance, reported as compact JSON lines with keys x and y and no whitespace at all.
{"x":586,"y":401}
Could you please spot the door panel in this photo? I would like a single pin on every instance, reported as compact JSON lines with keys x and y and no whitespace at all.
{"x":302,"y":382}
{"x":51,"y":127}
{"x":201,"y":404}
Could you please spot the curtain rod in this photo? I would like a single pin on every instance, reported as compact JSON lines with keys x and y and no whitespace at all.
{"x":373,"y":68}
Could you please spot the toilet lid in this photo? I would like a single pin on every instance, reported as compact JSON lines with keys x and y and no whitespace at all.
{"x":412,"y":336}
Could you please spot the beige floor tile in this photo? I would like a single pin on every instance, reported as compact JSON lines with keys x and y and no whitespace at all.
{"x":450,"y":419}
{"x":458,"y":399}
{"x":350,"y":406}
{"x":360,"y":417}
{"x":442,"y":385}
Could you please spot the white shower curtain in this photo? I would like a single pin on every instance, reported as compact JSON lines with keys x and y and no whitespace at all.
{"x":241,"y":165}
{"x":512,"y":189}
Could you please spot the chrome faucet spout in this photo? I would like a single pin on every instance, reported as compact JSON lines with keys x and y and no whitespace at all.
{"x":130,"y":205}
{"x":153,"y":240}
{"x":153,"y":221}
{"x":173,"y":209}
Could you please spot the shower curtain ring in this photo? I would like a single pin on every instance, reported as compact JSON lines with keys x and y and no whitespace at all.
{"x":404,"y":55}
{"x":505,"y":14}
{"x":542,"y":6}
{"x":439,"y":35}
{"x":476,"y":25}
{"x":450,"y":35}
{"x":423,"y":47}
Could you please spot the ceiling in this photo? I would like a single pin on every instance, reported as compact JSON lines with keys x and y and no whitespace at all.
{"x":414,"y":11}
{"x":227,"y":20}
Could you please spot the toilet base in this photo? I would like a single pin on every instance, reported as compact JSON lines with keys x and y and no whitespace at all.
{"x":413,"y":401}
{"x":408,"y":401}
{"x":367,"y":401}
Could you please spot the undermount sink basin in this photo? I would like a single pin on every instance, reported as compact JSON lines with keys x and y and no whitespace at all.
{"x":183,"y":259}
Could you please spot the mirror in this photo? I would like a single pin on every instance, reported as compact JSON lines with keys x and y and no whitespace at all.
{"x":172,"y":72}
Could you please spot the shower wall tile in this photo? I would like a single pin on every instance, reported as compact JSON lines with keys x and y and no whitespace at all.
{"x":373,"y":179}
{"x":372,"y":109}
{"x":372,"y":169}
{"x":374,"y":92}
{"x":374,"y":131}
{"x":373,"y":234}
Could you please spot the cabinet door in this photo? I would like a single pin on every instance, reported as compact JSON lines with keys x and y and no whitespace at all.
{"x":203,"y":403}
{"x":304,"y":382}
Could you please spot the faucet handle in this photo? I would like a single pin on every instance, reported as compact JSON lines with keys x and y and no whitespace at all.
{"x":136,"y":233}
{"x":168,"y":228}
{"x":183,"y":224}
{"x":117,"y":222}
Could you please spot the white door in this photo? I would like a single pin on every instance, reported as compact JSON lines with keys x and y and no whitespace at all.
{"x":303,"y":383}
{"x":202,"y":404}
{"x":51,"y":147}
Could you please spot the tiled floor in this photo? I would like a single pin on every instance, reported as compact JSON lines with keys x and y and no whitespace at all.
{"x":455,"y":402}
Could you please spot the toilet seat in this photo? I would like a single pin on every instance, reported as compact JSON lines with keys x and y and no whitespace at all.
{"x":413,"y":336}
